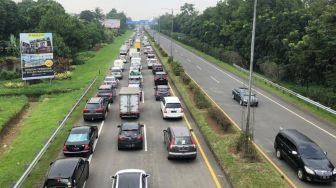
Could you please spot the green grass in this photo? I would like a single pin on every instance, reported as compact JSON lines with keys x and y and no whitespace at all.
{"x":10,"y":107}
{"x":241,"y":173}
{"x":45,"y":118}
{"x":289,"y":98}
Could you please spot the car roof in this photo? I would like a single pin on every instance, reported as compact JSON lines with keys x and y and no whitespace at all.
{"x":109,"y":77}
{"x":95,"y":100}
{"x":104,"y":87}
{"x":162,"y":86}
{"x":172,"y":100}
{"x":127,"y":126}
{"x":180,"y":131}
{"x":63,"y":168}
{"x":130,"y":171}
{"x":160,"y":72}
{"x":116,"y":68}
{"x":296,"y":136}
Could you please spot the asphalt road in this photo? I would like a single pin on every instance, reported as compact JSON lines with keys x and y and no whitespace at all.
{"x":271,"y":114}
{"x":106,"y":159}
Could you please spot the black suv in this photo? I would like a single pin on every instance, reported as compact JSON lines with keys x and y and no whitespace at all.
{"x":68,"y":172}
{"x":107,"y":92}
{"x":304,"y":155}
{"x":95,"y":108}
{"x":179,"y":143}
{"x":160,"y":78}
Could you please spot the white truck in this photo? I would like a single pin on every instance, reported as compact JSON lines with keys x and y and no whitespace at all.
{"x":129,"y":102}
{"x":133,"y":52}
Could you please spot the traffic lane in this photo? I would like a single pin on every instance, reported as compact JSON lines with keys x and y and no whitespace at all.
{"x":269,"y":107}
{"x":107,"y":159}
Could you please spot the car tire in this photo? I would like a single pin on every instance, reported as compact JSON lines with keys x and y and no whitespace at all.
{"x":300,"y":174}
{"x":103,"y":118}
{"x":169,"y":158}
{"x":193,"y":158}
{"x":278,"y":154}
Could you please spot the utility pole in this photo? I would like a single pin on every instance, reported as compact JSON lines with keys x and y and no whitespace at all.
{"x":171,"y":34}
{"x":159,"y":31}
{"x":247,"y":127}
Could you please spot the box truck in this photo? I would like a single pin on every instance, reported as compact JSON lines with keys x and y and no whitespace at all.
{"x":129,"y":102}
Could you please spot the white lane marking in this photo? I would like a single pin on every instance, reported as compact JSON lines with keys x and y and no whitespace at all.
{"x":199,"y":67}
{"x":84,"y":183}
{"x":214,"y":79}
{"x":95,"y":144}
{"x":143,"y":97}
{"x":239,"y":81}
{"x":145,"y":135}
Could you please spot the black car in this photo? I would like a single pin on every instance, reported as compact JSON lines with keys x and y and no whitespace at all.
{"x":107,"y":92}
{"x":130,"y":135}
{"x":95,"y":108}
{"x":160,"y":78}
{"x":179,"y":143}
{"x":304,"y":155}
{"x":80,"y":141}
{"x":157,"y":67}
{"x":241,"y":95}
{"x":68,"y":172}
{"x":161,"y":91}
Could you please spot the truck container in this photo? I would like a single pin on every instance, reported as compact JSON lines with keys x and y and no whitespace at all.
{"x":129,"y":102}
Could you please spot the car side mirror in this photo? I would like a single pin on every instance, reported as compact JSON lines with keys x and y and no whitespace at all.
{"x":146,"y":175}
{"x":294,"y":152}
{"x":119,"y":126}
{"x":325,"y":153}
{"x":191,"y":130}
{"x":141,"y":125}
{"x":52,"y":162}
{"x":113,"y":177}
{"x":165,"y":131}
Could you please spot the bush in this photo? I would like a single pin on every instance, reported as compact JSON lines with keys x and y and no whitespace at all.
{"x":8,"y":75}
{"x":82,"y":57}
{"x":200,"y":99}
{"x":246,"y":148}
{"x":170,"y":59}
{"x":185,"y":78}
{"x":14,"y":84}
{"x":217,"y":115}
{"x":63,"y":76}
{"x":177,"y":68}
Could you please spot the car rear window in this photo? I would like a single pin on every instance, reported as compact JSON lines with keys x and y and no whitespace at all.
{"x":115,"y":70}
{"x":173,"y":105}
{"x":183,"y":140}
{"x":57,"y":183}
{"x":109,"y":79}
{"x":92,"y":105}
{"x":129,"y":180}
{"x":78,"y":137}
{"x":104,"y":90}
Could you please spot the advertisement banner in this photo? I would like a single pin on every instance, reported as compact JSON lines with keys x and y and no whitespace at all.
{"x":112,"y":23}
{"x":36,"y":55}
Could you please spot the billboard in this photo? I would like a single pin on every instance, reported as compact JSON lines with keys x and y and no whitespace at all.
{"x":36,"y":55}
{"x":112,"y":23}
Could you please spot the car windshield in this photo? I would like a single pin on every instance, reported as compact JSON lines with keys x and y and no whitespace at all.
{"x":311,"y":151}
{"x":78,"y":137}
{"x":133,"y":132}
{"x":128,"y":180}
{"x":183,"y":140}
{"x":173,"y":105}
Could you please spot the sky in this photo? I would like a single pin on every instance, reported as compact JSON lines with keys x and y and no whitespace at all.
{"x":137,"y":10}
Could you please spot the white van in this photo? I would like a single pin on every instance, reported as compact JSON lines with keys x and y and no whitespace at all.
{"x":119,"y":63}
{"x":136,"y":63}
{"x":116,"y":72}
{"x":171,"y":108}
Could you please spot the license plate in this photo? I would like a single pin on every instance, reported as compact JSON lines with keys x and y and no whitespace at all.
{"x":130,"y":145}
{"x":173,"y":111}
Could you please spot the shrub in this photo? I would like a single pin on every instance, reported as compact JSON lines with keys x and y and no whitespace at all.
{"x":8,"y":75}
{"x":170,"y":59}
{"x":244,"y":146}
{"x":185,"y":78}
{"x":217,"y":115}
{"x":63,"y":76}
{"x":14,"y":84}
{"x":177,"y":68}
{"x":82,"y":57}
{"x":200,"y":99}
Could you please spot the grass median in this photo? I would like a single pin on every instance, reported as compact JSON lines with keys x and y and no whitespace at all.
{"x":286,"y":97}
{"x":47,"y":114}
{"x":10,"y":107}
{"x":242,"y":173}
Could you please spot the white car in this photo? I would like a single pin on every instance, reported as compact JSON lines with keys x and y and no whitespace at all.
{"x":116,"y":72}
{"x":171,"y":108}
{"x":150,"y":62}
{"x":119,"y":63}
{"x":111,"y":80}
{"x":130,"y":178}
{"x":123,"y":57}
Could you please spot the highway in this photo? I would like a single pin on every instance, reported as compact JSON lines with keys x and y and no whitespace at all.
{"x":271,"y":114}
{"x":106,"y":159}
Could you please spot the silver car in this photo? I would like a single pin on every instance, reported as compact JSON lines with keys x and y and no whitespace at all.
{"x":134,"y":178}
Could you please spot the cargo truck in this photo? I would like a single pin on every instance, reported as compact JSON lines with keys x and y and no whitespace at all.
{"x":129,"y":102}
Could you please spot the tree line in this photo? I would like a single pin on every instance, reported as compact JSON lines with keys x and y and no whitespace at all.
{"x":71,"y":33}
{"x":295,"y":39}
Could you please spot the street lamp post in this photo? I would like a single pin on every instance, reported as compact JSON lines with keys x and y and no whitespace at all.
{"x":171,"y":31}
{"x":247,"y":127}
{"x":159,"y":32}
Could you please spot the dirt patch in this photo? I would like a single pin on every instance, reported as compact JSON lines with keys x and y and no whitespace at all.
{"x":13,"y":127}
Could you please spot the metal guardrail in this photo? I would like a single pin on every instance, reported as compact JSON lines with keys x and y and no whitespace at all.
{"x":45,"y":147}
{"x":306,"y":99}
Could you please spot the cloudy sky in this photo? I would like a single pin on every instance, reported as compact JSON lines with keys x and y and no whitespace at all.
{"x":143,"y":9}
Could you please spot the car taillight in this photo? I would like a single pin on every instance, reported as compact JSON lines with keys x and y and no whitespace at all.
{"x":120,"y":137}
{"x":86,"y":110}
{"x":86,"y":146}
{"x":156,"y":78}
{"x":181,"y":110}
{"x":96,"y":94}
{"x":100,"y":109}
{"x":193,"y":142}
{"x":139,"y":137}
{"x":165,"y":110}
{"x":157,"y":93}
{"x":110,"y":94}
{"x":65,"y":148}
{"x":171,"y":143}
